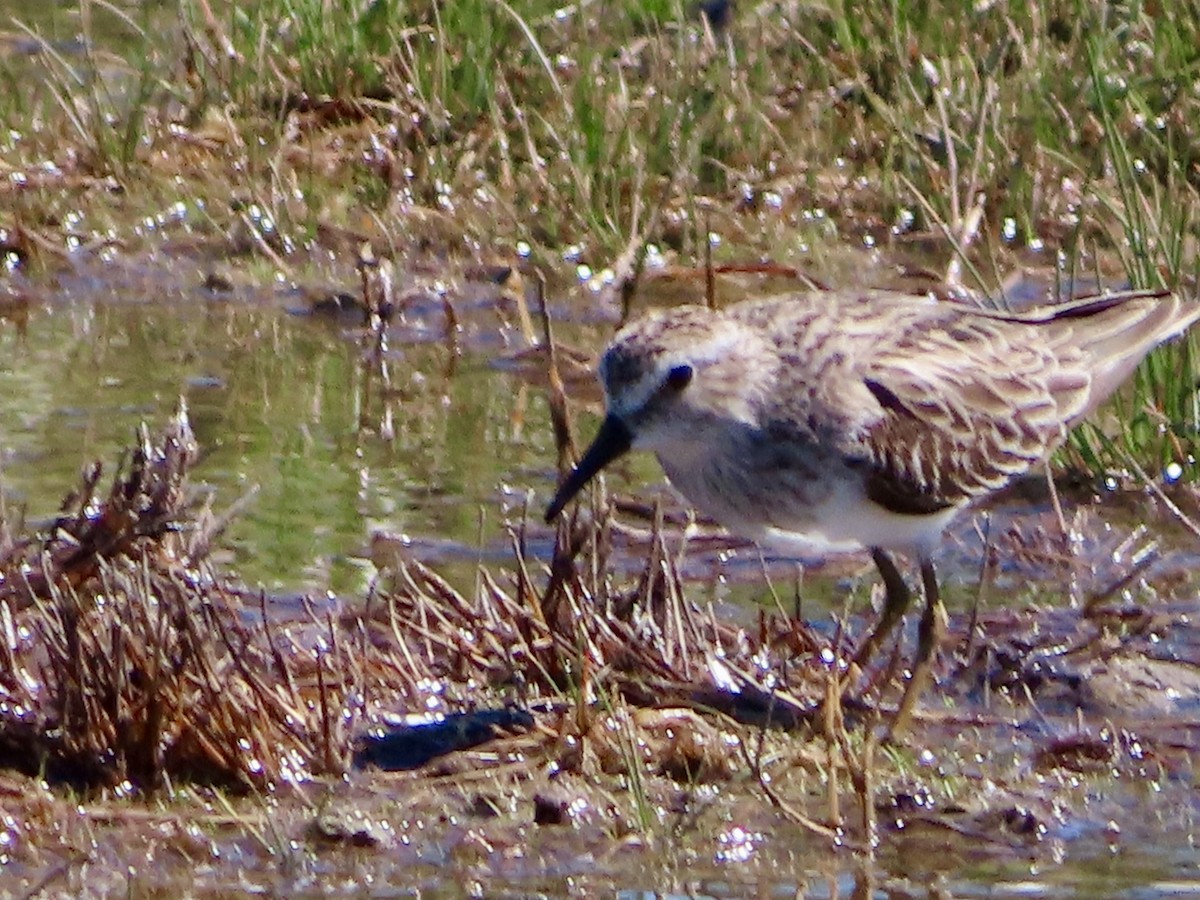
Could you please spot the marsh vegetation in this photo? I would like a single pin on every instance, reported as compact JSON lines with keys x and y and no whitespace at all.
{"x":369,"y":224}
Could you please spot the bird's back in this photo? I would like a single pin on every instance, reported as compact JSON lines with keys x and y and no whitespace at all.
{"x":938,"y":403}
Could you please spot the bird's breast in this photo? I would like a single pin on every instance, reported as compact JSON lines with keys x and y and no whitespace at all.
{"x":793,"y":495}
{"x":747,"y":485}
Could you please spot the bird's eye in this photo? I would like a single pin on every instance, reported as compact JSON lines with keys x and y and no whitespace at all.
{"x":679,"y":377}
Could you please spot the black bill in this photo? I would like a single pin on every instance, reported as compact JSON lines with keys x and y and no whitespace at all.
{"x":612,"y":441}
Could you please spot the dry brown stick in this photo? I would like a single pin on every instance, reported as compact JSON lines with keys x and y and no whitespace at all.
{"x":652,"y":577}
{"x":525,"y":592}
{"x":985,"y":568}
{"x":443,"y":590}
{"x":453,"y":643}
{"x":401,"y":642}
{"x":559,"y":417}
{"x":439,"y":634}
{"x":677,"y":610}
{"x":281,"y":664}
{"x":54,"y":874}
{"x":239,"y":658}
{"x":806,"y":822}
{"x":446,"y":633}
{"x":1093,"y":603}
{"x":519,"y":546}
{"x":862,"y":777}
{"x":562,"y":565}
{"x":582,"y":639}
{"x":509,"y":610}
{"x":326,"y":727}
{"x":505,"y":650}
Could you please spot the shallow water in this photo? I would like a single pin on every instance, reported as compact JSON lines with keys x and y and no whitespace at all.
{"x":279,"y":402}
{"x":290,"y":402}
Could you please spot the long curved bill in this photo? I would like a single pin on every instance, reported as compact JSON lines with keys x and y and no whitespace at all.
{"x":612,"y":441}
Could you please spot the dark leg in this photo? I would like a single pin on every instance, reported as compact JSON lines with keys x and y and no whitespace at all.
{"x":929,"y":636}
{"x":894,"y":604}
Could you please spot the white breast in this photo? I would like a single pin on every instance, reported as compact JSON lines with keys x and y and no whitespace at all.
{"x":841,"y":525}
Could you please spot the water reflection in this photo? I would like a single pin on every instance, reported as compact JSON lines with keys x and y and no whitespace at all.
{"x":278,"y":402}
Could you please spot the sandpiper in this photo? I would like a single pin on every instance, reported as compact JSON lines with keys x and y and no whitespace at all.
{"x":838,"y":421}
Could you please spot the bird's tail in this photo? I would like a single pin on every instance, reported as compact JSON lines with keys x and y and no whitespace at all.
{"x":1115,"y":332}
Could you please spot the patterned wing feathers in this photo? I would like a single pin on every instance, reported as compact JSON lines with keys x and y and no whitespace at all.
{"x":966,"y":400}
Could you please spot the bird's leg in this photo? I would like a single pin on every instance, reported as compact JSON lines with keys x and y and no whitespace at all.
{"x":894,"y":604}
{"x":930,"y":635}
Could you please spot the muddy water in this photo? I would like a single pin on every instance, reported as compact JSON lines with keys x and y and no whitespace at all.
{"x":285,"y":411}
{"x":713,"y":847}
{"x":294,"y":417}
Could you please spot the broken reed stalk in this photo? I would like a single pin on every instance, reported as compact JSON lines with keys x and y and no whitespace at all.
{"x":560,"y":419}
{"x":985,"y":573}
{"x":766,"y":785}
{"x":860,"y":767}
{"x":831,"y":726}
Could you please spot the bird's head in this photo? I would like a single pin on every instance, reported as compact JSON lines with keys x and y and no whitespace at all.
{"x":666,"y":377}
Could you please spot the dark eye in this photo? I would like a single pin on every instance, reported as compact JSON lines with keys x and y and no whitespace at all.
{"x":679,"y":377}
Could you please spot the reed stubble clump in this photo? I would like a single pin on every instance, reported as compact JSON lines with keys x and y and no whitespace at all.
{"x":125,"y":658}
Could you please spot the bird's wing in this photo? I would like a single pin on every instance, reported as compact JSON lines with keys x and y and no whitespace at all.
{"x":941,"y":403}
{"x":959,"y":404}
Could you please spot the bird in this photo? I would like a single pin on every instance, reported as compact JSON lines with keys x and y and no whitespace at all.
{"x":834,"y":421}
